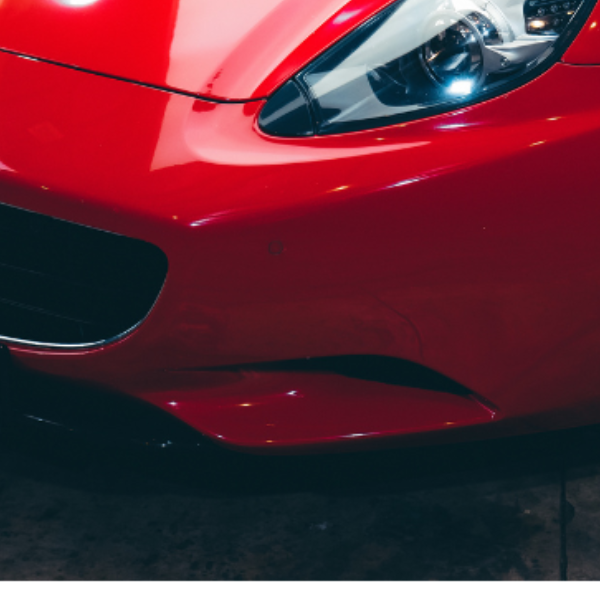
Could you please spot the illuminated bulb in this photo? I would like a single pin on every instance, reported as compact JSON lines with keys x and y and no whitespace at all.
{"x":537,"y":24}
{"x":461,"y":87}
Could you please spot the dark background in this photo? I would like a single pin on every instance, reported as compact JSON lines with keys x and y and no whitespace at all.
{"x":74,"y":506}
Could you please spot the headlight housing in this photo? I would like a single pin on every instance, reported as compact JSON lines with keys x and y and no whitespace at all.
{"x":423,"y":57}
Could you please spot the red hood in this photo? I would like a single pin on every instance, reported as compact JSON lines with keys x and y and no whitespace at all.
{"x":227,"y":49}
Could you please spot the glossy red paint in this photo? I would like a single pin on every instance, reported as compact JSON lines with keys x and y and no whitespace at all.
{"x":465,"y":242}
{"x":246,"y":47}
{"x":585,"y":50}
{"x":274,"y":400}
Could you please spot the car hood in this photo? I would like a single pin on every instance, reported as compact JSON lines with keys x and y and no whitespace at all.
{"x":222,"y":49}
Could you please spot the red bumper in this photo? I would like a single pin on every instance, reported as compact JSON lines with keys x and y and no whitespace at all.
{"x":466,"y":243}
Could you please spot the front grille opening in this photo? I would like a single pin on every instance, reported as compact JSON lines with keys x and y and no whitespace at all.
{"x":63,"y":284}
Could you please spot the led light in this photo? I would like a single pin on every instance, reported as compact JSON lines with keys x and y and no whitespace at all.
{"x":537,"y":24}
{"x":422,"y":57}
{"x":461,"y":87}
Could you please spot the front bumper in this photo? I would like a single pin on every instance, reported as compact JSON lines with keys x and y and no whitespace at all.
{"x":465,"y":243}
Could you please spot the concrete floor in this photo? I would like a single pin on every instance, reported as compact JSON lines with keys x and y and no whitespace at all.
{"x":525,"y":508}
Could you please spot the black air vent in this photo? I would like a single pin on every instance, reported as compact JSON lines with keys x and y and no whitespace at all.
{"x":66,"y":284}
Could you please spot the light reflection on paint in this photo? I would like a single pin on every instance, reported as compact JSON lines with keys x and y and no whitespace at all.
{"x":455,"y":126}
{"x":345,"y":16}
{"x":201,"y":222}
{"x":359,"y":435}
{"x":210,"y":219}
{"x":403,"y":183}
{"x":77,"y":3}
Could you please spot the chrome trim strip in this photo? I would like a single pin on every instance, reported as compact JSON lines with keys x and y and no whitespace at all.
{"x":88,"y":345}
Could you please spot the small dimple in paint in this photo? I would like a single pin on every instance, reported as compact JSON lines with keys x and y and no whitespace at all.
{"x":276,"y":248}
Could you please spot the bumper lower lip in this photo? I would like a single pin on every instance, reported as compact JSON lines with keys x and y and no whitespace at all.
{"x":253,"y":414}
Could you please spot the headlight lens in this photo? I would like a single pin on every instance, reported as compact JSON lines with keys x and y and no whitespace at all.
{"x":421,"y":57}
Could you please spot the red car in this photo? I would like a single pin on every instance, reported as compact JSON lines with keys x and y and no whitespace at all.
{"x":304,"y":224}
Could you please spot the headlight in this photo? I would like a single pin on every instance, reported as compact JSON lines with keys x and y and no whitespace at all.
{"x":422,"y":57}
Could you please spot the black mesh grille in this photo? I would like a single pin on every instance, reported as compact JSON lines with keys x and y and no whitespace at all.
{"x":63,"y":284}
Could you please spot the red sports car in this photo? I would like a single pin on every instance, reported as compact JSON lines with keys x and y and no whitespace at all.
{"x":304,"y":224}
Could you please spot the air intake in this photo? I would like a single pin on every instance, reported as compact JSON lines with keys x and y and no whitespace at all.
{"x":63,"y":284}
